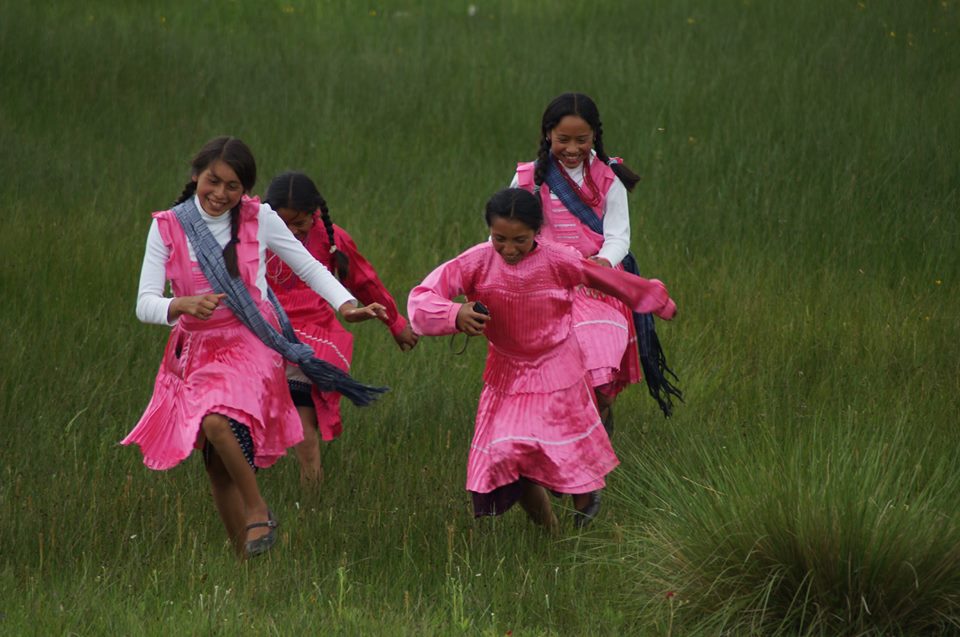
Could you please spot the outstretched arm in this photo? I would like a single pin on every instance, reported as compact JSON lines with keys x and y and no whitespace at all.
{"x":646,"y":296}
{"x":364,"y":282}
{"x":432,"y":312}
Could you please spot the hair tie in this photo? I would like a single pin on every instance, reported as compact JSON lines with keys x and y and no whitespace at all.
{"x":614,"y":161}
{"x":333,"y":249}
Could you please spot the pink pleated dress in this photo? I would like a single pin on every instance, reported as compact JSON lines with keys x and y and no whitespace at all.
{"x":603,"y":326}
{"x":536,"y":417}
{"x":216,"y":366}
{"x":315,"y":321}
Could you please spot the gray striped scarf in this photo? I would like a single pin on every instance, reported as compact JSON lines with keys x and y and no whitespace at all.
{"x":325,"y":376}
{"x":652,"y":358}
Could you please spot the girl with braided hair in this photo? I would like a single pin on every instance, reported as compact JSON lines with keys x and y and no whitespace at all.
{"x":220,"y":386}
{"x":299,"y":203}
{"x":583,"y":192}
{"x":537,"y":428}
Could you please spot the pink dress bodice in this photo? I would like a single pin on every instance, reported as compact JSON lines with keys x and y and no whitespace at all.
{"x":530,"y":348}
{"x":187,"y":279}
{"x":560,"y":225}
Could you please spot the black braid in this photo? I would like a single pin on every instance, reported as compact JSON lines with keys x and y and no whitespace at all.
{"x":543,"y":156}
{"x":621,"y":170}
{"x":341,"y":262}
{"x":230,"y":250}
{"x":188,"y":191}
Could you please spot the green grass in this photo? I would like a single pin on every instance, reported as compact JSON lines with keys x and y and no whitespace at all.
{"x":800,"y":199}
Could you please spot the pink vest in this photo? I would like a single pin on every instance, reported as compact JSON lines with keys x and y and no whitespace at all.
{"x":559,"y":224}
{"x":185,"y":275}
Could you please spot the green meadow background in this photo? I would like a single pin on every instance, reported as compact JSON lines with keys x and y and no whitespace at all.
{"x":800,"y":199}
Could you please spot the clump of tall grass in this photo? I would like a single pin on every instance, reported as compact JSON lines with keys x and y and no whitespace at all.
{"x":837,"y":530}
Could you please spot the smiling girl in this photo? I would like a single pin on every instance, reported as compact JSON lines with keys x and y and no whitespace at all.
{"x":299,"y":203}
{"x":537,"y":426}
{"x":583,"y":192}
{"x":220,"y":387}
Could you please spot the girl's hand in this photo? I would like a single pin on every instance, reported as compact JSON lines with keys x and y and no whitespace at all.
{"x":600,"y":261}
{"x":471,"y":322}
{"x":351,"y":313}
{"x":200,"y":307}
{"x":604,"y":264}
{"x":407,"y":339}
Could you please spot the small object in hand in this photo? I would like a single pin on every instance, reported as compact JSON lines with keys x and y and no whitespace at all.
{"x":481,"y":308}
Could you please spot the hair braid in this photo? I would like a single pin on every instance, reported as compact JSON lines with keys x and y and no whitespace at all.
{"x":540,"y":166}
{"x":627,"y":177}
{"x":188,"y":191}
{"x":341,"y":262}
{"x":230,"y":250}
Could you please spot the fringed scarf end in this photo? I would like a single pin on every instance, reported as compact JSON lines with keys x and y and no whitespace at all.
{"x":329,"y":378}
{"x":656,"y":372}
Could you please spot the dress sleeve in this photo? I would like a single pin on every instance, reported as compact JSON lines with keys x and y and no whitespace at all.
{"x":152,"y":305}
{"x":366,"y":285}
{"x":282,"y":242}
{"x":616,"y":224}
{"x":431,"y":310}
{"x":645,"y":296}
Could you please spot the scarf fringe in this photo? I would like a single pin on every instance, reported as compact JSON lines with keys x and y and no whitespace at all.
{"x":652,"y":359}
{"x":330,"y":378}
{"x":655,"y":372}
{"x":325,"y":376}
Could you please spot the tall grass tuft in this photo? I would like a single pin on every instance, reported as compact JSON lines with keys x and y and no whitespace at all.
{"x":839,"y":531}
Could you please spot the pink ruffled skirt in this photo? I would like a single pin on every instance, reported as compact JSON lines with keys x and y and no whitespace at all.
{"x":216,"y":367}
{"x":604,"y":329}
{"x":552,"y":438}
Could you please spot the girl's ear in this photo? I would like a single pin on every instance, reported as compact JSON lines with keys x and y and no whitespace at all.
{"x":194,"y":177}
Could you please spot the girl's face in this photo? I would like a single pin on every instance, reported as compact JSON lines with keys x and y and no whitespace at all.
{"x":571,"y":140}
{"x":218,"y":188}
{"x":298,"y":222}
{"x":512,"y":239}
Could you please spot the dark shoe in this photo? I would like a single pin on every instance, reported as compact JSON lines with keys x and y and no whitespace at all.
{"x":583,"y":518}
{"x":608,"y":422}
{"x":264,"y":543}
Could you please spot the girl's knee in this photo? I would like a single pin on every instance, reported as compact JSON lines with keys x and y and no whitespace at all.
{"x":215,"y":427}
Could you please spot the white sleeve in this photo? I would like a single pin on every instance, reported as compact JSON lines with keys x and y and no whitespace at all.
{"x":152,"y":305}
{"x":616,"y":225}
{"x":281,"y":241}
{"x":515,"y":182}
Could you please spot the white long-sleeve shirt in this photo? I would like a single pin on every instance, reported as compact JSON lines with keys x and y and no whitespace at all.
{"x":272,"y":234}
{"x":616,"y":217}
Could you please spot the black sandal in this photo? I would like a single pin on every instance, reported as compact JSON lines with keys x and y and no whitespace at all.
{"x":264,"y":543}
{"x":582,"y":519}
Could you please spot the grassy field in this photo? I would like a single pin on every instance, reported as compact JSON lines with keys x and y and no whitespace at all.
{"x":800,"y":198}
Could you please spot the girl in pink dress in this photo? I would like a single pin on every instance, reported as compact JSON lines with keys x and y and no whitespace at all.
{"x":301,"y":206}
{"x":220,"y":388}
{"x":571,"y":151}
{"x":537,"y":425}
